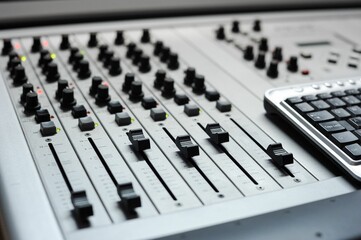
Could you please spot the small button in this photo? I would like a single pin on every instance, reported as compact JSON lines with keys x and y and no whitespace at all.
{"x":354,"y":110}
{"x":331,"y":127}
{"x":352,"y":82}
{"x":332,"y":60}
{"x":308,"y":98}
{"x":328,"y":85}
{"x":338,"y":94}
{"x":158,"y":114}
{"x":294,"y":100}
{"x":352,"y":65}
{"x":304,"y":107}
{"x":355,"y":122}
{"x":42,"y":115}
{"x":148,"y":103}
{"x":351,"y":100}
{"x":344,"y":138}
{"x":122,"y":119}
{"x":181,"y":99}
{"x":315,"y":86}
{"x":191,"y":110}
{"x":346,"y":125}
{"x":340,"y":83}
{"x":212,"y":95}
{"x":223,"y":106}
{"x":353,"y":150}
{"x":320,"y":105}
{"x":324,"y":95}
{"x":86,"y":124}
{"x":320,"y":116}
{"x":340,"y":113}
{"x":47,"y":128}
{"x":115,"y":107}
{"x":306,"y":55}
{"x":336,"y":102}
{"x":79,"y":111}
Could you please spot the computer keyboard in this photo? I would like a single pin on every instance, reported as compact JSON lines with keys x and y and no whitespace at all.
{"x":328,"y":113}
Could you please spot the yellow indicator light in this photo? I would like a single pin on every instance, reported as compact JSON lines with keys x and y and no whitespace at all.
{"x":58,"y":130}
{"x":23,"y":58}
{"x":53,"y":56}
{"x":132,"y":119}
{"x":166,"y":115}
{"x":96,"y":124}
{"x":82,"y":52}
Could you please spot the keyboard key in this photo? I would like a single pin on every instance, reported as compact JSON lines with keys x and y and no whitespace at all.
{"x":294,"y":100}
{"x":346,"y":125}
{"x":344,"y":138}
{"x":357,"y":133}
{"x":304,"y":107}
{"x":356,"y":122}
{"x":340,"y":113}
{"x":353,"y":150}
{"x":320,"y":116}
{"x":309,"y":98}
{"x":336,"y":102}
{"x":352,"y":92}
{"x":331,"y":127}
{"x":324,"y":95}
{"x":338,"y":94}
{"x":354,"y":110}
{"x":320,"y":105}
{"x":351,"y":100}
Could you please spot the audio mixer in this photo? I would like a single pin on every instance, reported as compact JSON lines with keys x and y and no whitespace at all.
{"x":148,"y":129}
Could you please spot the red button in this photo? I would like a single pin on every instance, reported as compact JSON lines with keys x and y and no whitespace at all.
{"x":305,"y":72}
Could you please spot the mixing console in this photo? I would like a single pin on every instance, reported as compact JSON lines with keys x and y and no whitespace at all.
{"x":147,"y":124}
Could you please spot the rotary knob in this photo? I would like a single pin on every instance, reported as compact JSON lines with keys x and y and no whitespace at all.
{"x":257,"y":25}
{"x":220,"y":33}
{"x":235,"y":27}
{"x":36,"y":47}
{"x":164,"y":55}
{"x":277,"y":54}
{"x":19,"y":76}
{"x":263,"y":45}
{"x":67,"y":101}
{"x":128,"y":80}
{"x":136,"y":94}
{"x":158,"y":46}
{"x":93,"y":40}
{"x":62,"y":84}
{"x":115,"y":68}
{"x":248,"y":53}
{"x":168,"y":90}
{"x":190,"y":74}
{"x":12,"y":55}
{"x":102,"y":97}
{"x":64,"y":44}
{"x":102,"y":49}
{"x":45,"y":63}
{"x":292,"y":65}
{"x":119,"y":38}
{"x":144,"y":65}
{"x":159,"y":79}
{"x":198,"y":86}
{"x":107,"y":57}
{"x":52,"y":72}
{"x":7,"y":47}
{"x":15,"y":62}
{"x":260,"y":61}
{"x":43,"y":53}
{"x":173,"y":62}
{"x":130,"y":49}
{"x":27,"y":87}
{"x":272,"y":70}
{"x":78,"y":57}
{"x":145,"y":36}
{"x":137,"y":54}
{"x":31,"y":103}
{"x":84,"y":70}
{"x":73,"y":51}
{"x":96,"y":81}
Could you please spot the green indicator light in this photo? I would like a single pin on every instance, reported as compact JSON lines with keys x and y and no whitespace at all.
{"x":58,"y":130}
{"x":53,"y":56}
{"x":166,"y":115}
{"x":132,"y":120}
{"x":82,"y":52}
{"x":96,"y":124}
{"x":23,"y":58}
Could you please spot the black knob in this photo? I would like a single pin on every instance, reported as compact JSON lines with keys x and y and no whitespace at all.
{"x":102,"y":49}
{"x":137,"y":54}
{"x":235,"y":27}
{"x":93,"y":40}
{"x":62,"y":84}
{"x":263,"y":45}
{"x":119,"y":39}
{"x":277,"y":54}
{"x":292,"y":65}
{"x":168,"y":90}
{"x":45,"y":63}
{"x":102,"y":97}
{"x":198,"y":86}
{"x":43,"y":53}
{"x":64,"y":44}
{"x":107,"y":57}
{"x":78,"y":57}
{"x":159,"y":79}
{"x":248,"y":53}
{"x":220,"y":34}
{"x":36,"y":47}
{"x":173,"y":62}
{"x":257,"y":25}
{"x":31,"y":103}
{"x":144,"y":65}
{"x":96,"y":81}
{"x":128,"y":80}
{"x":12,"y":55}
{"x":130,"y":49}
{"x":115,"y":68}
{"x":7,"y":47}
{"x":190,"y":74}
{"x":52,"y":72}
{"x":20,"y":76}
{"x":145,"y":36}
{"x":136,"y":93}
{"x":272,"y":70}
{"x":164,"y":55}
{"x":67,"y":100}
{"x":158,"y":46}
{"x":73,"y":51}
{"x":84,"y":70}
{"x":27,"y":87}
{"x":15,"y":62}
{"x":260,"y":61}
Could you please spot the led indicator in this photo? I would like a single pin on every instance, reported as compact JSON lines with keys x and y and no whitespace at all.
{"x":45,"y":43}
{"x":82,"y":52}
{"x":132,"y":119}
{"x":96,"y":124}
{"x":106,"y":84}
{"x":39,"y":91}
{"x":58,"y":130}
{"x":53,"y":56}
{"x":166,"y":115}
{"x":23,"y":58}
{"x":17,"y":45}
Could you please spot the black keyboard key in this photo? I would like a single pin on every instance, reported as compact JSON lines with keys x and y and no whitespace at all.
{"x":354,"y":110}
{"x":294,"y":100}
{"x":344,"y":138}
{"x":356,"y":122}
{"x":352,"y":92}
{"x":336,"y":102}
{"x":309,"y":98}
{"x":346,"y":125}
{"x":340,"y":113}
{"x":357,"y":133}
{"x":353,"y":150}
{"x":351,"y":100}
{"x":304,"y":107}
{"x":324,"y":95}
{"x":320,"y":105}
{"x":331,"y":127}
{"x":338,"y":94}
{"x":320,"y":116}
